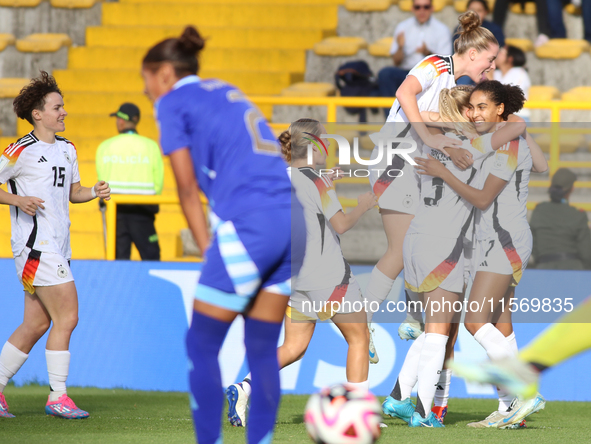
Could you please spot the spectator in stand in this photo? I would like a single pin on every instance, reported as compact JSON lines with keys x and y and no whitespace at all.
{"x":414,"y":39}
{"x":561,"y":236}
{"x":556,"y":21}
{"x":134,"y":164}
{"x":481,"y":8}
{"x":500,"y":14}
{"x":511,"y":71}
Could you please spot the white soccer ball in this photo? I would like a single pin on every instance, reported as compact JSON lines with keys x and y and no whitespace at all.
{"x":342,"y":414}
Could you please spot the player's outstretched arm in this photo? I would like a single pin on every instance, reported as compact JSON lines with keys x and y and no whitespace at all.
{"x":539,"y":162}
{"x":27,"y":204}
{"x":188,"y":191}
{"x":343,"y":222}
{"x":481,"y":199}
{"x":80,"y":194}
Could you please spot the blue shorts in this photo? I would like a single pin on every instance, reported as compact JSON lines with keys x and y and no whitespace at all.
{"x":263,"y":249}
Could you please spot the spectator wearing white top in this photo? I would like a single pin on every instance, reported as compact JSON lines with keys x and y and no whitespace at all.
{"x":414,"y":39}
{"x":511,"y":71}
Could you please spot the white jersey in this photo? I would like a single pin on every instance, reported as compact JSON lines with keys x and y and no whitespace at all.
{"x":442,"y":212}
{"x":37,"y":169}
{"x":324,"y":265}
{"x":512,"y":163}
{"x":434,"y":73}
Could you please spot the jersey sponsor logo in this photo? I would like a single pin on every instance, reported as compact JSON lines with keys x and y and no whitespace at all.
{"x":42,"y":159}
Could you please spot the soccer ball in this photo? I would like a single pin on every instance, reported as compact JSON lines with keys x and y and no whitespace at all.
{"x":342,"y":414}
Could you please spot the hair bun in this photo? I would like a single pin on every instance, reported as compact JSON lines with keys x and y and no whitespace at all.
{"x":285,"y":142}
{"x":191,"y":41}
{"x":469,"y":21}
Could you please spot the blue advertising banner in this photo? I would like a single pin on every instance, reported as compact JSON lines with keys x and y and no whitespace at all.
{"x":134,"y":316}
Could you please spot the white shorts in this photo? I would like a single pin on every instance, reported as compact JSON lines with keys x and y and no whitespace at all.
{"x":397,"y":188}
{"x":432,"y":262}
{"x":324,"y":304}
{"x":40,"y":269}
{"x":510,"y":258}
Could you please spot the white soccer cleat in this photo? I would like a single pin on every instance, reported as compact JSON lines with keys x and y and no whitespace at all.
{"x":237,"y":401}
{"x":519,"y":410}
{"x":410,"y":329}
{"x":491,"y":420}
{"x":373,"y":355}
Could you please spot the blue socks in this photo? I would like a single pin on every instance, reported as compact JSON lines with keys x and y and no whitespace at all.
{"x":261,"y":351}
{"x":204,"y":340}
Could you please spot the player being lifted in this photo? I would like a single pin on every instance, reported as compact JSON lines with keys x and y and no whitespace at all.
{"x":475,"y":51}
{"x":433,"y":258}
{"x":41,"y":170}
{"x":325,"y":277}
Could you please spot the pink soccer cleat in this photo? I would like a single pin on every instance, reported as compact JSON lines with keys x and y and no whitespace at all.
{"x":64,"y":407}
{"x":4,"y":408}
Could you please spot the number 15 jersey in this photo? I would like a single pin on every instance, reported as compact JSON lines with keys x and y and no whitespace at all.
{"x":442,"y":212}
{"x":34,"y":168}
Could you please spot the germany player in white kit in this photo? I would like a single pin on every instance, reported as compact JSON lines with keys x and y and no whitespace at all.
{"x":325,"y":287}
{"x":41,"y":173}
{"x":502,"y":232}
{"x":433,"y":259}
{"x":395,"y":183}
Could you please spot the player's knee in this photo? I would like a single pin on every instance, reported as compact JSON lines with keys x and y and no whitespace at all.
{"x":67,"y":322}
{"x":38,"y":328}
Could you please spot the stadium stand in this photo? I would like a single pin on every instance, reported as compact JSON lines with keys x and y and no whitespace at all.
{"x":255,"y":44}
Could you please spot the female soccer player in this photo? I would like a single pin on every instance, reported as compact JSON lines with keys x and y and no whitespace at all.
{"x":325,"y":277}
{"x":41,"y":170}
{"x":475,"y":51}
{"x":433,"y":260}
{"x":219,"y":142}
{"x":503,"y":234}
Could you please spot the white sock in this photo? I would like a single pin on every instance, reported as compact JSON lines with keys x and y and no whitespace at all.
{"x":430,"y":364}
{"x":409,"y":373}
{"x":11,"y":360}
{"x":58,"y":365}
{"x":246,"y":385}
{"x":494,"y":342}
{"x":513,"y":342}
{"x":505,"y":399}
{"x":377,"y":291}
{"x":442,"y":392}
{"x":360,"y":385}
{"x":413,"y":311}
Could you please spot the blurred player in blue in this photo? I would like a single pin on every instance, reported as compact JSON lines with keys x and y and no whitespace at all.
{"x":219,"y":142}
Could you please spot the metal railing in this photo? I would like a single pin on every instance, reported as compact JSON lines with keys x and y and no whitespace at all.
{"x":332,"y":103}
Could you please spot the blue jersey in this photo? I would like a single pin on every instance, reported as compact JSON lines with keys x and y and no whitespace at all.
{"x":236,"y":157}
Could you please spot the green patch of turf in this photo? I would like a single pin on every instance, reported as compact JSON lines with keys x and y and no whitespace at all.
{"x":127,"y":416}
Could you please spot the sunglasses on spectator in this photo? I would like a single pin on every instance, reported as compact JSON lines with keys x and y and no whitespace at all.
{"x":419,"y":7}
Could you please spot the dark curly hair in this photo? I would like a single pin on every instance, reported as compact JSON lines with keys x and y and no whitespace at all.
{"x":509,"y":95}
{"x":180,"y":51}
{"x":33,"y":95}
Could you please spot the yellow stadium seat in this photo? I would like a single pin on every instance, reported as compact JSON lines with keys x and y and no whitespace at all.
{"x":43,"y":42}
{"x":438,"y":5}
{"x":572,"y":9}
{"x":10,"y":87}
{"x":5,"y":141}
{"x":530,"y":8}
{"x":6,"y":40}
{"x":340,"y":46}
{"x":562,"y":49}
{"x":74,"y":4}
{"x":543,"y":92}
{"x":309,"y":89}
{"x":381,"y":47}
{"x":525,"y":45}
{"x":580,"y":93}
{"x":367,"y":5}
{"x":461,"y":5}
{"x":20,"y":3}
{"x":569,"y":143}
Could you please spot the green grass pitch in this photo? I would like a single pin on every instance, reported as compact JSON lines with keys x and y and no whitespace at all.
{"x":126,"y":416}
